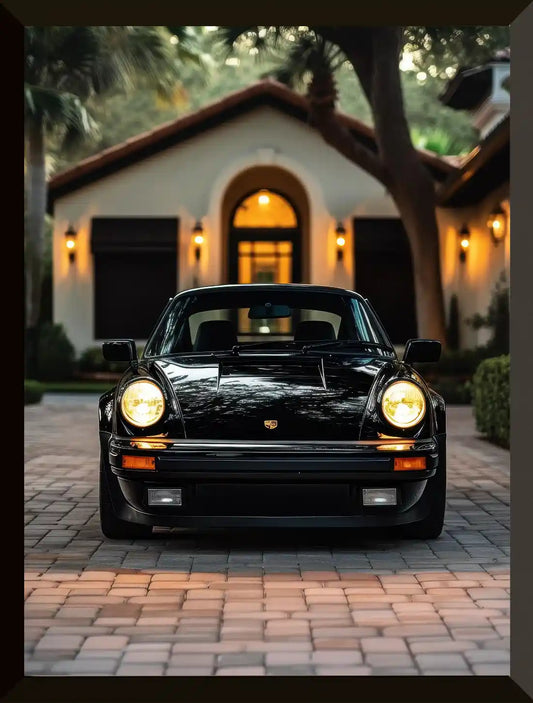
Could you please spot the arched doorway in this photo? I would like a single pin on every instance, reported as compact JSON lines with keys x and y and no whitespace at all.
{"x":264,"y":240}
{"x":265,"y":223}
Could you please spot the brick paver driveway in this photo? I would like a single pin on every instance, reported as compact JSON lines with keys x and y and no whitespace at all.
{"x":256,"y":602}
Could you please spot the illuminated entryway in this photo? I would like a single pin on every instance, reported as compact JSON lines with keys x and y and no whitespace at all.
{"x":264,"y":245}
{"x":264,"y":240}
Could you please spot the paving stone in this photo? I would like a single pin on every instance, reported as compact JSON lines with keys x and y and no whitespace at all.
{"x":189,"y":671}
{"x":441,"y":661}
{"x":343,"y":670}
{"x":189,"y":603}
{"x":105,"y":642}
{"x":85,"y":667}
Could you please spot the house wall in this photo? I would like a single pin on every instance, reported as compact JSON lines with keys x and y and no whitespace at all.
{"x":189,"y":181}
{"x":474,"y":280}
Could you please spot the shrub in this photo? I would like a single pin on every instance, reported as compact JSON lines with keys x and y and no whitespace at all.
{"x":496,"y":319}
{"x":33,"y":392}
{"x":454,"y":392}
{"x":55,"y":354}
{"x":92,"y":361}
{"x":460,"y":362}
{"x":491,"y":399}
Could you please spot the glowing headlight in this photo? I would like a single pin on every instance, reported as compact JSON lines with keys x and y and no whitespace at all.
{"x":403,"y":404}
{"x":143,"y":403}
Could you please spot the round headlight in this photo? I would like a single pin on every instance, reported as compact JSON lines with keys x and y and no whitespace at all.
{"x":403,"y":404}
{"x":143,"y":403}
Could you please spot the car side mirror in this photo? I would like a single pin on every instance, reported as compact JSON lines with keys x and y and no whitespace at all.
{"x":120,"y":350}
{"x":422,"y":350}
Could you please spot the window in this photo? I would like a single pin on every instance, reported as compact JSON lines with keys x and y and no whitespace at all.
{"x":265,"y":208}
{"x":135,"y":264}
{"x":217,"y":321}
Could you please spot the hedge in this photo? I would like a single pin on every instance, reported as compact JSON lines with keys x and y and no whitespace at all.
{"x":453,"y":391}
{"x":490,"y":394}
{"x":33,"y":392}
{"x":55,"y":354}
{"x":92,"y":361}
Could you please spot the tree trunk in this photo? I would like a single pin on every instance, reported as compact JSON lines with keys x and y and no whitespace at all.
{"x":34,"y":244}
{"x":418,"y":217}
{"x":409,"y":182}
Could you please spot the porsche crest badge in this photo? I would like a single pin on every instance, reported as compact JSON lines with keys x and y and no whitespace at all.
{"x":271,"y":424}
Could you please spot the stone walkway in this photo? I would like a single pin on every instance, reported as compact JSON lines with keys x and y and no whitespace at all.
{"x":283,"y":602}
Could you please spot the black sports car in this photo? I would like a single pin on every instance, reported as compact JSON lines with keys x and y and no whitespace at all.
{"x":279,"y":405}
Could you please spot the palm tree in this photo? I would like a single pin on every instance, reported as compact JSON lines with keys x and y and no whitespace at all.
{"x":374,"y":53}
{"x":64,"y":67}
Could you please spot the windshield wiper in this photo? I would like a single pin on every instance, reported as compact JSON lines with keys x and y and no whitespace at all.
{"x":345,"y":343}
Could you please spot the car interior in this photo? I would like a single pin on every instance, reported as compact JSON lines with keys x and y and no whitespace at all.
{"x":213,"y":335}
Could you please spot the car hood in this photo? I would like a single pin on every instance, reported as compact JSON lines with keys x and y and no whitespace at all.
{"x":272,"y":397}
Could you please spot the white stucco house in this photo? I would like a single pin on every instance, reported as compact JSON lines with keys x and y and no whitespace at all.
{"x":245,"y":190}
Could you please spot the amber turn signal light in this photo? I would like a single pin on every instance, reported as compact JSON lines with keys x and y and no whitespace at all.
{"x":409,"y":463}
{"x":138,"y":462}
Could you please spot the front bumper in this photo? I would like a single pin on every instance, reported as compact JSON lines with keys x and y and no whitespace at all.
{"x":226,"y":483}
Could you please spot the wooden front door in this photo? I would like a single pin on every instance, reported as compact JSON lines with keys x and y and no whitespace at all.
{"x":264,"y":255}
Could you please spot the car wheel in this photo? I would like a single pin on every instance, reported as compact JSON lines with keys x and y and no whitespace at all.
{"x":112,"y":526}
{"x":431,"y":526}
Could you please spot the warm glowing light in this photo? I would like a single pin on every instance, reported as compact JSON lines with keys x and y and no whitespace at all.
{"x":70,"y":243}
{"x":403,"y":404}
{"x":410,"y":463}
{"x":264,"y":208}
{"x":394,"y":447}
{"x":139,"y":444}
{"x":199,"y":239}
{"x":143,"y":403}
{"x":138,"y":462}
{"x":496,"y":224}
{"x":341,"y":241}
{"x":465,"y":243}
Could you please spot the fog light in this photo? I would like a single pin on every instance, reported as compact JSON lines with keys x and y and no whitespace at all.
{"x":379,"y":496}
{"x":164,"y":496}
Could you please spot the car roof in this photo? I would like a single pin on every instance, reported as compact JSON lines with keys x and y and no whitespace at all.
{"x":268,"y":287}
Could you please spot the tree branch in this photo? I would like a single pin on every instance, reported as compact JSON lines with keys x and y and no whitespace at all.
{"x":322,"y":96}
{"x":340,"y":138}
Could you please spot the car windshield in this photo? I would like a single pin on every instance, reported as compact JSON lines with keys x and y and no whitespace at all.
{"x":237,"y":321}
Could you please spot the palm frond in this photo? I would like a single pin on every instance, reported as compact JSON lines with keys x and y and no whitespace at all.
{"x":59,"y":110}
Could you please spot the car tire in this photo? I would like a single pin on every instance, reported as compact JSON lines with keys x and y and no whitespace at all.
{"x":112,"y":526}
{"x":431,"y":526}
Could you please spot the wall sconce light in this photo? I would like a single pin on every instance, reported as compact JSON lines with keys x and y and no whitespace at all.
{"x":341,"y":240}
{"x":497,"y":224}
{"x":464,"y":242}
{"x":70,"y":243}
{"x":198,"y":239}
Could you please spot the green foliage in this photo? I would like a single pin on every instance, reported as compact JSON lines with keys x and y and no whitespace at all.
{"x":55,"y":354}
{"x":436,"y":49}
{"x":497,"y":319}
{"x":92,"y":361}
{"x":77,"y":386}
{"x":491,"y":399}
{"x":33,"y":392}
{"x":459,"y":363}
{"x":69,"y":68}
{"x":214,"y":72}
{"x":452,"y":333}
{"x":453,"y":391}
